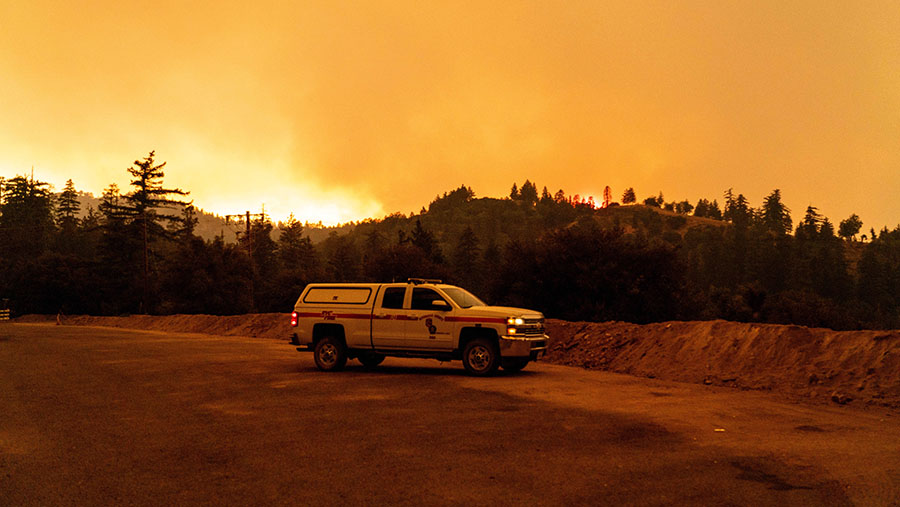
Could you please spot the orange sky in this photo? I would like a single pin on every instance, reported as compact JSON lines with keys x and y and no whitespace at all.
{"x":340,"y":111}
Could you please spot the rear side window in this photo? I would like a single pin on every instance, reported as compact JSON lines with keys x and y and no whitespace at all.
{"x":393,"y":297}
{"x":422,"y":298}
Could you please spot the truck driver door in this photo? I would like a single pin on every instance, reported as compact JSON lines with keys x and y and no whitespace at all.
{"x":427,"y":327}
{"x":388,"y":318}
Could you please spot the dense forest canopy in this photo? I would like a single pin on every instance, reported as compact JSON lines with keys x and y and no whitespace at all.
{"x":561,"y":254}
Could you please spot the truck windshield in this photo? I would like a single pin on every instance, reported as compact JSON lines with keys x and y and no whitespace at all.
{"x":463,"y":298}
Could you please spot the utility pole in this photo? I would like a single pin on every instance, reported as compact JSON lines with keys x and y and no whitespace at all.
{"x":246,"y":218}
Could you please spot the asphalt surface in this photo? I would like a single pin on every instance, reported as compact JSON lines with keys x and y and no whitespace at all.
{"x":100,"y":416}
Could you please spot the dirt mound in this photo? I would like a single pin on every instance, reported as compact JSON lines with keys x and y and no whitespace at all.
{"x":841,"y":366}
{"x":821,"y":364}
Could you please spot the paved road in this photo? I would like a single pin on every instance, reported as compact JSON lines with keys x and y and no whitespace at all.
{"x":98,"y":416}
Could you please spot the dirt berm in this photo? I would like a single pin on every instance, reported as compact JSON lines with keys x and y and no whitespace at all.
{"x":859,"y":367}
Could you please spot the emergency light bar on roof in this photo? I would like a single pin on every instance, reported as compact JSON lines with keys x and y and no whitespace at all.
{"x":417,"y":281}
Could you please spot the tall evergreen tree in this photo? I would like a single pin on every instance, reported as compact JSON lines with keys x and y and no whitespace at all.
{"x":776,"y":217}
{"x":298,"y":261}
{"x":26,"y":218}
{"x":67,"y":208}
{"x":528,"y":193}
{"x":809,"y":227}
{"x":343,"y":258}
{"x":465,"y":256}
{"x":424,"y":240}
{"x":295,"y":251}
{"x":142,"y":209}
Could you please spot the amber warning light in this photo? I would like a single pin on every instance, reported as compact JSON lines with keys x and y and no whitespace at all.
{"x":294,"y":319}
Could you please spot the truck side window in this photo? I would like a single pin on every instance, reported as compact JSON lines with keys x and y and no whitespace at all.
{"x":393,"y":297}
{"x":422,"y":298}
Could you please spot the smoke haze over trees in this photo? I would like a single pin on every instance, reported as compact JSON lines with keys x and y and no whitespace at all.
{"x":139,"y":252}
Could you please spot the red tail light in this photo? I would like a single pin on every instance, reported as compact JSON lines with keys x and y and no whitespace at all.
{"x":294,"y":319}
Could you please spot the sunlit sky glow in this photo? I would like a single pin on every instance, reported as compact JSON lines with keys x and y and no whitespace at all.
{"x":337,"y":111}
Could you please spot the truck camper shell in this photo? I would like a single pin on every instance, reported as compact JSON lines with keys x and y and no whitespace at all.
{"x":339,"y":294}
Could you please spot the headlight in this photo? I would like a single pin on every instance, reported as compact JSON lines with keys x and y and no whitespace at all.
{"x":515,"y":321}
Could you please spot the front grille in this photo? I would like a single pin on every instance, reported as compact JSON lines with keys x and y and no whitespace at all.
{"x":531,"y":327}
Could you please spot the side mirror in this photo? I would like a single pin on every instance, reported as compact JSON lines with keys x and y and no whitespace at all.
{"x":440,"y":304}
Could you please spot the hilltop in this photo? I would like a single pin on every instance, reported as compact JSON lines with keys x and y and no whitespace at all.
{"x":489,"y":218}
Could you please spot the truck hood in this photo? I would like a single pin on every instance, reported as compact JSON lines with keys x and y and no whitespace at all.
{"x":503,"y":312}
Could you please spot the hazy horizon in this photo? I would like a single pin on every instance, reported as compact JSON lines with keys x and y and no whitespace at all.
{"x":339,"y":112}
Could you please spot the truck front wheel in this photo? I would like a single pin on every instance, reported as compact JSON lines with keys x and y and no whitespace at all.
{"x":481,"y":357}
{"x":330,"y":354}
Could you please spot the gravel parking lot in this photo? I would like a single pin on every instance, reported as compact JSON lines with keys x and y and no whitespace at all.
{"x":111,"y":416}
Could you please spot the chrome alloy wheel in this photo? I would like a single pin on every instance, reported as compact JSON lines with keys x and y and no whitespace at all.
{"x":328,"y":354}
{"x":480,"y":357}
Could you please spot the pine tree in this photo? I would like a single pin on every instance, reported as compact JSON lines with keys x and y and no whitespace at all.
{"x":628,"y":197}
{"x":67,"y":208}
{"x":298,"y":259}
{"x":294,"y":250}
{"x":809,"y":227}
{"x":546,"y":198}
{"x":465,"y":254}
{"x":737,"y":210}
{"x":714,"y":211}
{"x":702,"y":208}
{"x":343,"y":258}
{"x":26,"y":218}
{"x":141,"y":210}
{"x":424,"y":240}
{"x":776,"y":217}
{"x":528,"y":193}
{"x":826,"y":230}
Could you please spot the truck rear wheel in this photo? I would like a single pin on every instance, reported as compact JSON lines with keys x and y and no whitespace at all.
{"x":330,"y":354}
{"x":513,"y":364}
{"x":481,"y":357}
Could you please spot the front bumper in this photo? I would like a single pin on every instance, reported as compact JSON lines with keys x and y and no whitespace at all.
{"x":532,"y":346}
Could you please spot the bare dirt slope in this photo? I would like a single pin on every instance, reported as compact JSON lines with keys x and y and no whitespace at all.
{"x":859,"y":367}
{"x":841,"y":366}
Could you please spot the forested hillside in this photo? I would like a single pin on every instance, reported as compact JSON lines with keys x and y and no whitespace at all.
{"x":140,"y":252}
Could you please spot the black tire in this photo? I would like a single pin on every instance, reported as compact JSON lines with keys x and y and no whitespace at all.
{"x":513,"y":364}
{"x":371,"y":360}
{"x":481,"y":357}
{"x":330,"y":354}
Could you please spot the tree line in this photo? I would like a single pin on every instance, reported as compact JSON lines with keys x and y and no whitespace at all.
{"x":563,"y":255}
